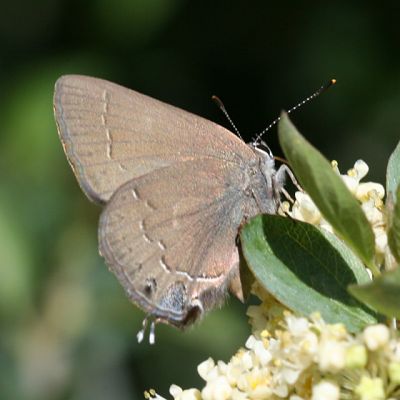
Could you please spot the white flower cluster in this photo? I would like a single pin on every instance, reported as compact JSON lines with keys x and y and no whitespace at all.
{"x":369,"y":194}
{"x":302,"y":359}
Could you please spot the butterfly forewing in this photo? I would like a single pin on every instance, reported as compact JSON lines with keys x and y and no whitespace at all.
{"x":112,"y":134}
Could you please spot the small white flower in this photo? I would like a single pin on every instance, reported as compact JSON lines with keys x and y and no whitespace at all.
{"x":178,"y":394}
{"x":207,"y":369}
{"x":361,"y":169}
{"x":233,"y":373}
{"x":369,"y":189}
{"x":175,"y":391}
{"x":376,"y":336}
{"x":332,"y":354}
{"x":351,"y":183}
{"x":247,"y":360}
{"x":222,"y":368}
{"x":251,"y":341}
{"x":263,"y":355}
{"x":374,"y":216}
{"x":217,"y":389}
{"x":290,"y":375}
{"x":297,"y":326}
{"x":325,"y":390}
{"x":261,"y":392}
{"x":304,"y":209}
{"x":281,"y":390}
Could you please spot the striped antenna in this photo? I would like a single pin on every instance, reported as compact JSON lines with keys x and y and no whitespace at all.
{"x":221,"y":106}
{"x":322,"y":89}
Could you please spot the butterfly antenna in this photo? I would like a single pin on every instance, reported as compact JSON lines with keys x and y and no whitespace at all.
{"x":322,"y":89}
{"x":221,"y":106}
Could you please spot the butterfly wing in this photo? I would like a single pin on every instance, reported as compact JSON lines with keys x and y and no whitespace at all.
{"x":170,"y":236}
{"x":112,"y":134}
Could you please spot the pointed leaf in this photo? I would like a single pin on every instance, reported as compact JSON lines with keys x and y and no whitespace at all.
{"x":383,"y":293}
{"x":301,"y":268}
{"x":338,"y":206}
{"x":393,"y":171}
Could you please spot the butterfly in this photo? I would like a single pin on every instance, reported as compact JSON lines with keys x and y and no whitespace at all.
{"x":175,"y":189}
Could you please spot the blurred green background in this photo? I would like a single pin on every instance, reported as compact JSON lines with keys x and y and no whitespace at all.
{"x":67,"y":329}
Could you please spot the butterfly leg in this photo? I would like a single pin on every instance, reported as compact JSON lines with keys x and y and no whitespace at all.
{"x":280,"y":178}
{"x":285,"y":170}
{"x":287,"y":195}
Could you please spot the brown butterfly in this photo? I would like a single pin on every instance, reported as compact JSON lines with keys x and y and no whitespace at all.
{"x":175,"y":189}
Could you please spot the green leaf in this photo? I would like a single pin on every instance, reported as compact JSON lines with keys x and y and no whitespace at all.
{"x":394,"y":230}
{"x":352,"y":261}
{"x":304,"y":270}
{"x":393,"y":172}
{"x":338,"y":206}
{"x":382,"y":294}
